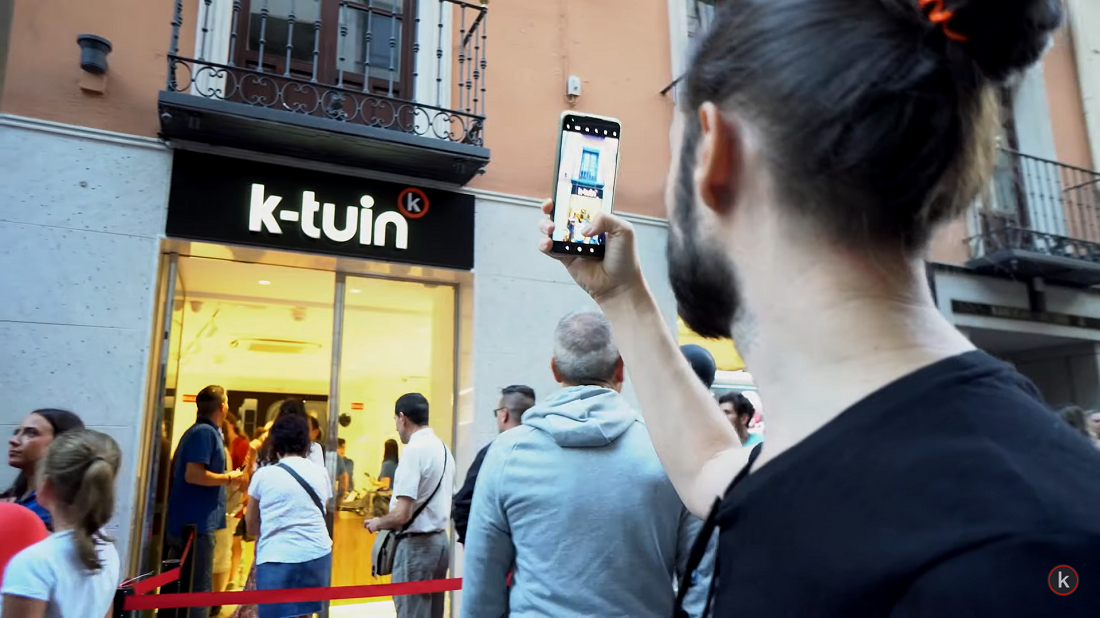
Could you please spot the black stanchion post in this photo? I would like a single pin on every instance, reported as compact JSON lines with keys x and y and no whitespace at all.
{"x":121,"y":595}
{"x":165,"y":566}
{"x":187,"y":569}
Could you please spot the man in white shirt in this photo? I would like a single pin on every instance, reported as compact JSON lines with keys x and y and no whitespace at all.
{"x":420,"y":508}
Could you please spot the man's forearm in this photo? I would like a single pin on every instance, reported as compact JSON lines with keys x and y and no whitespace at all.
{"x":252,"y":518}
{"x":392,"y":521}
{"x":696,"y":444}
{"x":208,"y":479}
{"x":217,"y":479}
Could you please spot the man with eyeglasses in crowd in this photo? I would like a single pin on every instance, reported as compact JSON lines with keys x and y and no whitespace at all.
{"x":514,"y":401}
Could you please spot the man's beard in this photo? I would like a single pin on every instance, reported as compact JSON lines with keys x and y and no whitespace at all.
{"x":705,"y":285}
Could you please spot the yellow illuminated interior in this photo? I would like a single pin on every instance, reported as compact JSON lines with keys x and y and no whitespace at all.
{"x":725,"y":353}
{"x":263,"y":328}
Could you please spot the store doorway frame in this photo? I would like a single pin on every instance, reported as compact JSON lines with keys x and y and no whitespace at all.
{"x":142,"y":558}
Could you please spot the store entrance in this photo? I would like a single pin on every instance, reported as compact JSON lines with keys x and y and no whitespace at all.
{"x":348,"y":346}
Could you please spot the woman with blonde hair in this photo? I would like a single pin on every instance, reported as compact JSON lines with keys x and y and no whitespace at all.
{"x":73,"y":572}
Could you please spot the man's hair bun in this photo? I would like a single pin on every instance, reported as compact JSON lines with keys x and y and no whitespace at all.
{"x":1005,"y":36}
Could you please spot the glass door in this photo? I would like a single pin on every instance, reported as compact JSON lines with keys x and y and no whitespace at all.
{"x":397,"y":337}
{"x":168,"y":327}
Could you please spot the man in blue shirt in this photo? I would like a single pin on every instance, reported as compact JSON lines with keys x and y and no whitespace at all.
{"x":197,"y":498}
{"x":344,"y":466}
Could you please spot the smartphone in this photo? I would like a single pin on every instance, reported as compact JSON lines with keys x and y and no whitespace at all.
{"x":584,"y":185}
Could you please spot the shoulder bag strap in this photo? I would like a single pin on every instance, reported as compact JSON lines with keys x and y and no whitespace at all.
{"x":306,"y":486}
{"x":699,"y":547}
{"x":434,"y":491}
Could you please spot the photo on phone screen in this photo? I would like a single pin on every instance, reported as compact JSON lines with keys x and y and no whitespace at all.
{"x":585,"y":181}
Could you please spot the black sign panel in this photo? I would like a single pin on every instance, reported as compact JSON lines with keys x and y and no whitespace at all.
{"x":1016,"y":313}
{"x":238,"y":201}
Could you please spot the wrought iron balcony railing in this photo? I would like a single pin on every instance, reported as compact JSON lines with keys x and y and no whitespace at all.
{"x":415,"y":67}
{"x":1041,"y":218}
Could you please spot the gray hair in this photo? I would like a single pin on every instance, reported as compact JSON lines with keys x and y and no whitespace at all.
{"x":584,"y":351}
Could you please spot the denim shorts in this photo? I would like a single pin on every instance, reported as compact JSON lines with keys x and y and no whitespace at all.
{"x":315,"y":573}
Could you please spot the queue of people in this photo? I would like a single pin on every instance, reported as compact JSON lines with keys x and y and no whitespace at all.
{"x":804,"y":190}
{"x":274,"y":489}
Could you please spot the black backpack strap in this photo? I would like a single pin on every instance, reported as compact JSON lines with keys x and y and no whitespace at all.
{"x":306,"y":486}
{"x":699,"y":547}
{"x":698,"y":550}
{"x":434,"y":491}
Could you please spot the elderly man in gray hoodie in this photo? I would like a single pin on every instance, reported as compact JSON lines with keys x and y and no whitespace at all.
{"x":575,"y":503}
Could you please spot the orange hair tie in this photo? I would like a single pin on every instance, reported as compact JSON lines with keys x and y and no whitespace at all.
{"x":941,"y":16}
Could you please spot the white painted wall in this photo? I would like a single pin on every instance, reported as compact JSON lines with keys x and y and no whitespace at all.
{"x":80,"y":213}
{"x":1084,"y":20}
{"x":973,"y":288}
{"x":1036,"y":134}
{"x":1065,"y":375}
{"x":678,"y":36}
{"x":519,"y":297}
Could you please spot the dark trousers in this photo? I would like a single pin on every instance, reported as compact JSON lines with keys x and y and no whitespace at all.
{"x":202,"y":555}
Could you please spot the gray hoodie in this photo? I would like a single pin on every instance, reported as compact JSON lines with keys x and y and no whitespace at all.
{"x":577,"y":505}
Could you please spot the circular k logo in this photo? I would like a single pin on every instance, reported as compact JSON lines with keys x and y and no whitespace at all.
{"x":1062,"y":580}
{"x":413,"y":203}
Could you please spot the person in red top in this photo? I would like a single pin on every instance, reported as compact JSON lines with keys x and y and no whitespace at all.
{"x":238,"y":441}
{"x":22,"y":528}
{"x":239,"y":446}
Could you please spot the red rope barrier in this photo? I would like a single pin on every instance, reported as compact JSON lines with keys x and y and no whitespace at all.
{"x":164,"y":578}
{"x":294,"y":595}
{"x":157,"y":581}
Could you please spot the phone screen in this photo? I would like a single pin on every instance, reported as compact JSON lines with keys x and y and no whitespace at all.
{"x":585,"y":184}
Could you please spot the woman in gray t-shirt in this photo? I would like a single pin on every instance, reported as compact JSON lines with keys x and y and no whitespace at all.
{"x":389,"y":464}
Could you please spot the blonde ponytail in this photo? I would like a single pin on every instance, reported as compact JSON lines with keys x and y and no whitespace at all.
{"x":81,"y":467}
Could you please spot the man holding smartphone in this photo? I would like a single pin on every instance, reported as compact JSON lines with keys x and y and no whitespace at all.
{"x":818,"y":147}
{"x":197,"y":498}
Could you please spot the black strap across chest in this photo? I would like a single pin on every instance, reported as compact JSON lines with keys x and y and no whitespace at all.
{"x":306,"y":486}
{"x":699,"y":547}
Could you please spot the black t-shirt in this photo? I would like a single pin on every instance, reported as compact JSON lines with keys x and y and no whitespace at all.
{"x":464,"y":499}
{"x":951,"y":492}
